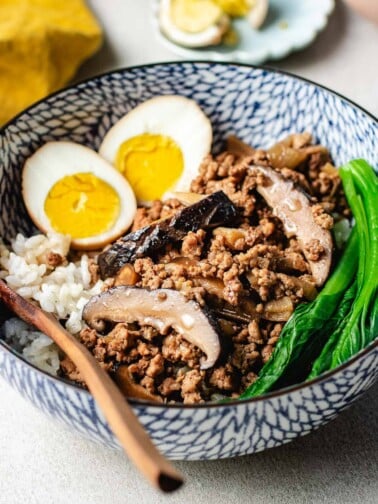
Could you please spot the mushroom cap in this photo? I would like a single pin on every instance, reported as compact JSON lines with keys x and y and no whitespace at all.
{"x":293,"y":208}
{"x":209,"y":212}
{"x":161,"y":309}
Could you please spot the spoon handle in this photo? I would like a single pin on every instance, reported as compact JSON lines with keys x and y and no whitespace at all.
{"x":116,"y":409}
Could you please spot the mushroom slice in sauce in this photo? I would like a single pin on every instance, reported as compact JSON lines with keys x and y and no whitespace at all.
{"x":187,"y":198}
{"x":131,"y":389}
{"x":160,"y":308}
{"x":293,"y":208}
{"x":209,"y":212}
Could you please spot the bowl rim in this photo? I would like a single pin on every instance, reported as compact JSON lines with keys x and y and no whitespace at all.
{"x":5,"y":347}
{"x":267,"y":68}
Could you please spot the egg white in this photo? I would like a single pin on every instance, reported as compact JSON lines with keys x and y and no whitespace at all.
{"x":258,"y":14}
{"x":174,"y":116}
{"x":55,"y":160}
{"x":210,"y":36}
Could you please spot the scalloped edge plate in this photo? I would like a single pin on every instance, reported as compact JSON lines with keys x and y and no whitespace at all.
{"x":304,"y":20}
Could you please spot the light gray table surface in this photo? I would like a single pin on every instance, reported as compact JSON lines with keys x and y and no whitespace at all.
{"x":43,"y":462}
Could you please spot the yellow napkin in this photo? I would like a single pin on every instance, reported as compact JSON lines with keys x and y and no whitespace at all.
{"x":42,"y":44}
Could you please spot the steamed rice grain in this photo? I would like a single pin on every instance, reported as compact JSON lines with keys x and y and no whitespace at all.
{"x":35,"y":346}
{"x":63,"y":291}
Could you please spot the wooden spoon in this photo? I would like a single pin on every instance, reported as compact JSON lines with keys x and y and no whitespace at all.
{"x":117,"y":411}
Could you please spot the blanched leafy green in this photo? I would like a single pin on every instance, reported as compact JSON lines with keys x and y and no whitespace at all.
{"x":308,"y":328}
{"x":323,"y":362}
{"x":360,"y":325}
{"x":343,"y":318}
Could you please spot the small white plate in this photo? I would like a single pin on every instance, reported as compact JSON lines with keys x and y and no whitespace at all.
{"x":291,"y":25}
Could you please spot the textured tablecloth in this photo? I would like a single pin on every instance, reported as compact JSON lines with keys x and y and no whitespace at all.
{"x":43,"y":462}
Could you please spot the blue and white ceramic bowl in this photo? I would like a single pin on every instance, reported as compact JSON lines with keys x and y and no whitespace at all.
{"x":260,"y":106}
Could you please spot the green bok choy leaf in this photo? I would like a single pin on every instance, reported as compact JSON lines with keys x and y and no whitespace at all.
{"x":344,"y":317}
{"x":360,"y":325}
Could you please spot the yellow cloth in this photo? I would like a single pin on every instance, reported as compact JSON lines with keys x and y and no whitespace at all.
{"x":42,"y":44}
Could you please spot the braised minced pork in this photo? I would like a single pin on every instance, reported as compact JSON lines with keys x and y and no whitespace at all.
{"x":251,"y":276}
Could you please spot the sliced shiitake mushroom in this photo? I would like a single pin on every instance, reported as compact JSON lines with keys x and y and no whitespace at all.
{"x":160,"y":308}
{"x":231,"y":236}
{"x":238,"y":147}
{"x":207,"y":213}
{"x":276,"y":310}
{"x":293,"y":208}
{"x":128,"y":386}
{"x":187,"y":198}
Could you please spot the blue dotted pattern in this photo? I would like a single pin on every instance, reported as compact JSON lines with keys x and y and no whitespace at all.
{"x":258,"y":106}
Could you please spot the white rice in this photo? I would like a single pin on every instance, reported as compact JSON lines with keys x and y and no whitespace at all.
{"x":35,"y":346}
{"x":63,"y":291}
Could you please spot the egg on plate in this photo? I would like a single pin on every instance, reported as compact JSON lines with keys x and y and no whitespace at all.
{"x":159,"y":145}
{"x":70,"y":189}
{"x":191,"y":23}
{"x":258,"y":13}
{"x":201,"y":23}
{"x":255,"y":10}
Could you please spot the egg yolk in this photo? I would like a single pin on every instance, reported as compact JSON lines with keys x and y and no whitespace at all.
{"x":151,"y":164}
{"x":235,"y":8}
{"x":194,"y":16}
{"x":82,"y":205}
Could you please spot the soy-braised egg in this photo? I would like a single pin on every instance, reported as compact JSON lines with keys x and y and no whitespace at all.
{"x":191,"y":23}
{"x":70,"y":189}
{"x":159,"y":145}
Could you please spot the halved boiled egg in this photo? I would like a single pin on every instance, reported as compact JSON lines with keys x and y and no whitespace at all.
{"x":70,"y":189}
{"x":159,"y":145}
{"x":193,"y":23}
{"x":255,"y":10}
{"x":235,"y":8}
{"x":258,"y":13}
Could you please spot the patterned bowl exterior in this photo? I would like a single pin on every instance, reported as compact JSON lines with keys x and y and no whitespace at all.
{"x":260,"y":106}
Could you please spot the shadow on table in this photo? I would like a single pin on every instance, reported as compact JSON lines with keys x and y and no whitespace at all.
{"x":91,"y":67}
{"x":338,"y":463}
